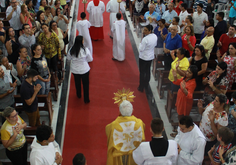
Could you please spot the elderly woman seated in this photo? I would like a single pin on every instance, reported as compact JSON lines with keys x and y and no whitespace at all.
{"x":214,"y":116}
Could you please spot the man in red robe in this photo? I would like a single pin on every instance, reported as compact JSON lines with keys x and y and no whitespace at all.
{"x":95,"y":9}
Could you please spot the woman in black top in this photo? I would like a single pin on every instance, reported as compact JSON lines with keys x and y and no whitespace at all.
{"x":199,"y":59}
{"x":39,"y":63}
{"x":12,"y":45}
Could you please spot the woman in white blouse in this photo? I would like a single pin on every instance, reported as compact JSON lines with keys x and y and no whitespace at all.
{"x":80,"y":56}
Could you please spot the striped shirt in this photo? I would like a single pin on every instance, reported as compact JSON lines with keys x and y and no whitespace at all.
{"x":216,"y":155}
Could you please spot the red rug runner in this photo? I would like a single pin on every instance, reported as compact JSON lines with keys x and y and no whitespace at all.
{"x":85,"y":123}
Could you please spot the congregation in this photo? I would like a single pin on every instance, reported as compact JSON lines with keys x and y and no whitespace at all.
{"x":198,"y":47}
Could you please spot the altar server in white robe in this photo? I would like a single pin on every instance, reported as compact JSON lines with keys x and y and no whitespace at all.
{"x":83,"y":26}
{"x":95,"y":9}
{"x":158,"y":151}
{"x":118,"y":30}
{"x":191,"y":142}
{"x":113,"y":8}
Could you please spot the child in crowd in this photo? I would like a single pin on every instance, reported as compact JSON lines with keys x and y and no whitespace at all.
{"x":224,"y":137}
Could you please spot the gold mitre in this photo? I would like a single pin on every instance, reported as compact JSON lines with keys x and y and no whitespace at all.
{"x":122,"y":95}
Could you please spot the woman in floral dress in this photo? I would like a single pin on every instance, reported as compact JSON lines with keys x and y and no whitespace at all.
{"x":214,"y":116}
{"x":231,"y":62}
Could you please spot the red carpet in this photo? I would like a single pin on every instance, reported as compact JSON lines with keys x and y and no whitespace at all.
{"x":85,"y":123}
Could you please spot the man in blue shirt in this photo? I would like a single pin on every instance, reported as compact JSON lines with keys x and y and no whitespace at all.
{"x":172,"y":42}
{"x":151,"y":16}
{"x":169,"y":14}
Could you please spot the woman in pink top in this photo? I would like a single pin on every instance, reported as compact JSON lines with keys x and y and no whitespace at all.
{"x":25,"y":16}
{"x":189,"y":39}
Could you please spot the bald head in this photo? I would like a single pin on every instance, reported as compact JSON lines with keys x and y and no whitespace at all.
{"x":210,"y":31}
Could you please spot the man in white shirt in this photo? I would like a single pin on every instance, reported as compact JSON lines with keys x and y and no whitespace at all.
{"x":200,"y":18}
{"x":183,"y":14}
{"x":13,"y":16}
{"x":113,"y":8}
{"x":191,"y":142}
{"x":118,"y":30}
{"x":95,"y":9}
{"x":146,"y":55}
{"x":83,"y":28}
{"x":44,"y":148}
{"x":158,"y":151}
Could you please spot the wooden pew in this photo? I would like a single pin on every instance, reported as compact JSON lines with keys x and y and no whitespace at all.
{"x":158,"y":64}
{"x":45,"y":102}
{"x":54,"y":86}
{"x":3,"y":15}
{"x":171,"y":100}
{"x":6,"y":23}
{"x":163,"y":83}
{"x":131,"y":10}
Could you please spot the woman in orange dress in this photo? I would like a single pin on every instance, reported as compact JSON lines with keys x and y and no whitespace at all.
{"x":185,"y":93}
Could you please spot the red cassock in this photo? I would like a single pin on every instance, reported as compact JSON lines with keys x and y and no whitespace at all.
{"x":96,"y":33}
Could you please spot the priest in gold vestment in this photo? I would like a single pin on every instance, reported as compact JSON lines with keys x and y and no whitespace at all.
{"x":124,"y":135}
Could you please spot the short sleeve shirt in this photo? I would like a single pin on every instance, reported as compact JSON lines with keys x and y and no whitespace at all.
{"x":26,"y":92}
{"x":7,"y":133}
{"x":8,"y":100}
{"x":198,"y":24}
{"x":40,"y":65}
{"x":168,"y":16}
{"x":160,"y":40}
{"x":205,"y":124}
{"x":173,"y":43}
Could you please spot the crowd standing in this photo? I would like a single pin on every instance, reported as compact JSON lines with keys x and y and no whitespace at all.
{"x":34,"y":44}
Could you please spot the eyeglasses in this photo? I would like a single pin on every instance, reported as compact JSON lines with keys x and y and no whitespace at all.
{"x":14,"y":115}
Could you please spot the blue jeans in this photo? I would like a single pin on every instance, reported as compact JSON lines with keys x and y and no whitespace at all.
{"x":45,"y":87}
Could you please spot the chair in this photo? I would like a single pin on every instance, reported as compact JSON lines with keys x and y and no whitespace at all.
{"x":163,"y":83}
{"x":157,"y":65}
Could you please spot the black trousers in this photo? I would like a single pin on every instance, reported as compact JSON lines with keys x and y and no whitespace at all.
{"x":127,"y":3}
{"x":85,"y":81}
{"x":167,"y":61}
{"x":52,"y":63}
{"x":18,"y":157}
{"x":144,"y":73}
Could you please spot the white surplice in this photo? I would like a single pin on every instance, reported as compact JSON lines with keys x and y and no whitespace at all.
{"x":192,"y":146}
{"x":113,"y":8}
{"x":95,"y":13}
{"x":118,"y":30}
{"x":83,"y":27}
{"x":143,"y":155}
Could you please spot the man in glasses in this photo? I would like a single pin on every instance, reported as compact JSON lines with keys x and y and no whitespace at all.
{"x":13,"y":16}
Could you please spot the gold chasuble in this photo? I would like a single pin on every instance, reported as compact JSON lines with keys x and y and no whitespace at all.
{"x":123,"y":136}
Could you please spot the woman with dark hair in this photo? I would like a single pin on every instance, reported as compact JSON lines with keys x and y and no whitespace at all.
{"x":12,"y":45}
{"x":214,"y":116}
{"x":180,"y":64}
{"x":187,"y":22}
{"x":230,"y":60}
{"x":161,"y":33}
{"x":53,"y":27}
{"x":187,"y":84}
{"x":189,"y":39}
{"x":62,"y":20}
{"x":176,"y":5}
{"x":160,"y":7}
{"x":51,"y":47}
{"x":57,"y":4}
{"x":80,"y":56}
{"x":199,"y":59}
{"x":79,"y":159}
{"x":39,"y":63}
{"x":31,"y":10}
{"x":217,"y":83}
{"x":43,"y":3}
{"x":40,"y":20}
{"x":146,"y":55}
